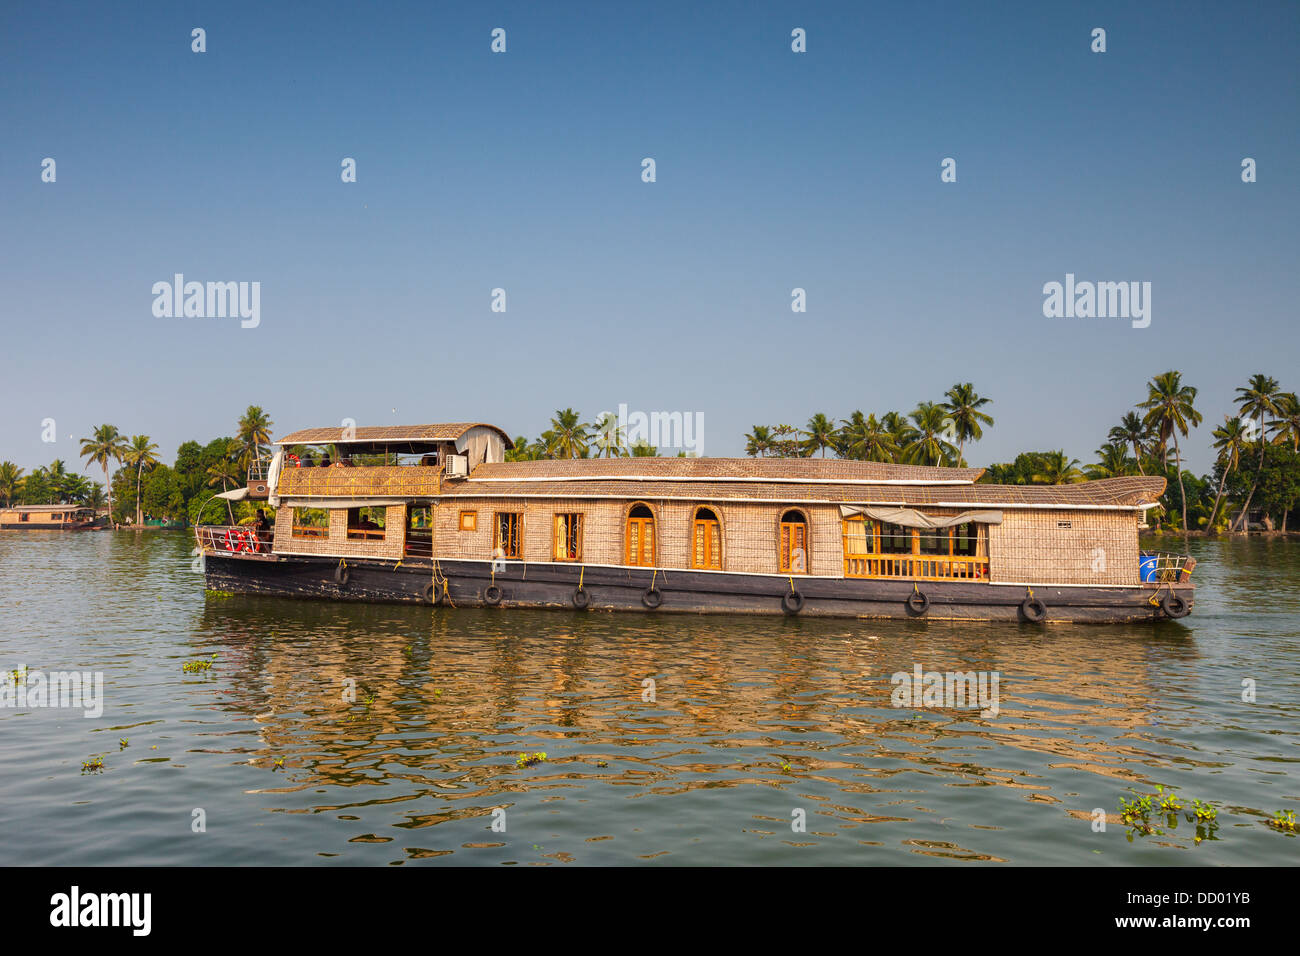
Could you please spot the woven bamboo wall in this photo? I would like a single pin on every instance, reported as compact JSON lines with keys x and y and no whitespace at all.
{"x":379,"y":481}
{"x":1097,"y":547}
{"x":338,"y":541}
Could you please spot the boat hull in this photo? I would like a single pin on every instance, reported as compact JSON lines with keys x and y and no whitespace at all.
{"x":473,"y":584}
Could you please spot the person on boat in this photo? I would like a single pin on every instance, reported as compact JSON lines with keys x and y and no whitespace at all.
{"x":262,"y":528}
{"x":325,"y":460}
{"x":307,"y":460}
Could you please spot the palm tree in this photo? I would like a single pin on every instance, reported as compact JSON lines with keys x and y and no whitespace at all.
{"x":821,"y":435}
{"x":1260,"y":397}
{"x":1058,"y":470}
{"x":643,"y":449}
{"x":254,"y":432}
{"x":963,"y":407}
{"x":11,"y":482}
{"x":1230,"y":440}
{"x":1286,"y":427}
{"x":867,"y":439}
{"x":75,"y":489}
{"x":1113,"y":461}
{"x":901,"y":433}
{"x":609,"y":437}
{"x":1132,"y":431}
{"x":226,"y":471}
{"x":57,"y":475}
{"x":140,"y":453}
{"x":1170,"y":411}
{"x":758,"y":442}
{"x":95,"y":497}
{"x":567,"y":437}
{"x":928,"y":446}
{"x":104,"y":444}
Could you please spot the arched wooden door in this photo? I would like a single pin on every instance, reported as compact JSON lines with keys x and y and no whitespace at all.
{"x":793,"y":543}
{"x":639,"y":548}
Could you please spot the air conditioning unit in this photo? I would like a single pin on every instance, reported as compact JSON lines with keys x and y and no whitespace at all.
{"x":457,"y":466}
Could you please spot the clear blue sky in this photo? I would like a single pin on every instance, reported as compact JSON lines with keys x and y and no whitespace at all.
{"x":523,"y":171}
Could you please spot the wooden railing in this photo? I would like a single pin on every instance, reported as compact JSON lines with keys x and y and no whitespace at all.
{"x":923,"y":566}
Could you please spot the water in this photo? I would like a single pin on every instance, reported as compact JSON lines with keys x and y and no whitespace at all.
{"x":754,"y":720}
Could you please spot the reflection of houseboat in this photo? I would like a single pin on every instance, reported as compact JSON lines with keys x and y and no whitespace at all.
{"x":47,"y":518}
{"x":433,"y":514}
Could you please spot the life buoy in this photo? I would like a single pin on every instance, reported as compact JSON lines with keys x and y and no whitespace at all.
{"x":1175,"y":605}
{"x":652,"y":598}
{"x":492,"y":595}
{"x":581,"y":599}
{"x":792,"y":602}
{"x":918,"y":603}
{"x":341,"y":575}
{"x":431,"y":593}
{"x":297,"y":462}
{"x":1033,"y":610}
{"x":232,"y":539}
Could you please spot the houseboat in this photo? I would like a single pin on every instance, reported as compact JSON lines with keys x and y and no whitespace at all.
{"x":434,"y":514}
{"x":47,"y":518}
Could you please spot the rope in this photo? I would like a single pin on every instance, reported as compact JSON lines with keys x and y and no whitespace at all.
{"x":791,"y":580}
{"x":581,"y":571}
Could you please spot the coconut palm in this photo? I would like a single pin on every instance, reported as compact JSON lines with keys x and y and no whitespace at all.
{"x":901,"y":433}
{"x":139,"y":453}
{"x":57,"y":475}
{"x":1286,"y":427}
{"x":609,"y":437}
{"x":254,"y":432}
{"x":1058,"y":469}
{"x":758,"y":442}
{"x":1135,"y":433}
{"x":928,"y":446}
{"x":11,"y":482}
{"x":1230,"y":441}
{"x":1258,"y":399}
{"x":226,"y":471}
{"x":95,"y":497}
{"x":567,"y":436}
{"x":1170,"y":412}
{"x":963,"y":407}
{"x":105,"y":444}
{"x":821,"y":435}
{"x":867,"y":439}
{"x":1112,"y":461}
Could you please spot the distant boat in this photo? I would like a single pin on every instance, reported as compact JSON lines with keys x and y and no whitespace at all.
{"x":434,"y":514}
{"x":48,"y":518}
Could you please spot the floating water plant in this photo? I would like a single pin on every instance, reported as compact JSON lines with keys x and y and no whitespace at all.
{"x":786,"y":768}
{"x":529,"y":760}
{"x":279,"y":764}
{"x":1148,"y":811}
{"x":94,"y":765}
{"x":1284,"y":820}
{"x":122,"y":743}
{"x":192,"y":667}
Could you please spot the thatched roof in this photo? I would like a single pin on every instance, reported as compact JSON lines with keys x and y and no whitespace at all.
{"x":814,"y":470}
{"x":788,"y":480}
{"x":381,"y":434}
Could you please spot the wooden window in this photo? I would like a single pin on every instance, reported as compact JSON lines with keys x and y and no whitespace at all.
{"x":793,"y":546}
{"x":639,"y":537}
{"x":24,"y":516}
{"x":568,"y":537}
{"x":873,"y":549}
{"x":311,"y":523}
{"x":469,"y":521}
{"x":706,"y":541}
{"x":507,"y":537}
{"x":367,"y":522}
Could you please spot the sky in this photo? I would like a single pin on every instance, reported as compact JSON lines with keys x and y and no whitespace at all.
{"x":523,"y":171}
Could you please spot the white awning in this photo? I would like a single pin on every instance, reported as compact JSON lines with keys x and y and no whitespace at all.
{"x":909,"y":518}
{"x":234,"y":494}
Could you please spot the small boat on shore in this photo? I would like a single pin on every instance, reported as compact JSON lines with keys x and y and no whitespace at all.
{"x":48,"y":518}
{"x":433,"y":514}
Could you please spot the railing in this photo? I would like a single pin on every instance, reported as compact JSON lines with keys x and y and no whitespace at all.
{"x":1164,"y":567}
{"x":232,"y":539}
{"x":923,"y":566}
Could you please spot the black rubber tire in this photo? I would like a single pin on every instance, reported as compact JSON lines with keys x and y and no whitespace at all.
{"x":430,"y":593}
{"x":652,"y":598}
{"x":917,"y":603}
{"x":1175,"y":605}
{"x":492,"y":596}
{"x":341,"y":576}
{"x":581,"y":598}
{"x":792,"y":602}
{"x":1033,"y":610}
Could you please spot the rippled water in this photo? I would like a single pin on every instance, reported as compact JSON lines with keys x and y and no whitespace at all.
{"x":754,"y":720}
